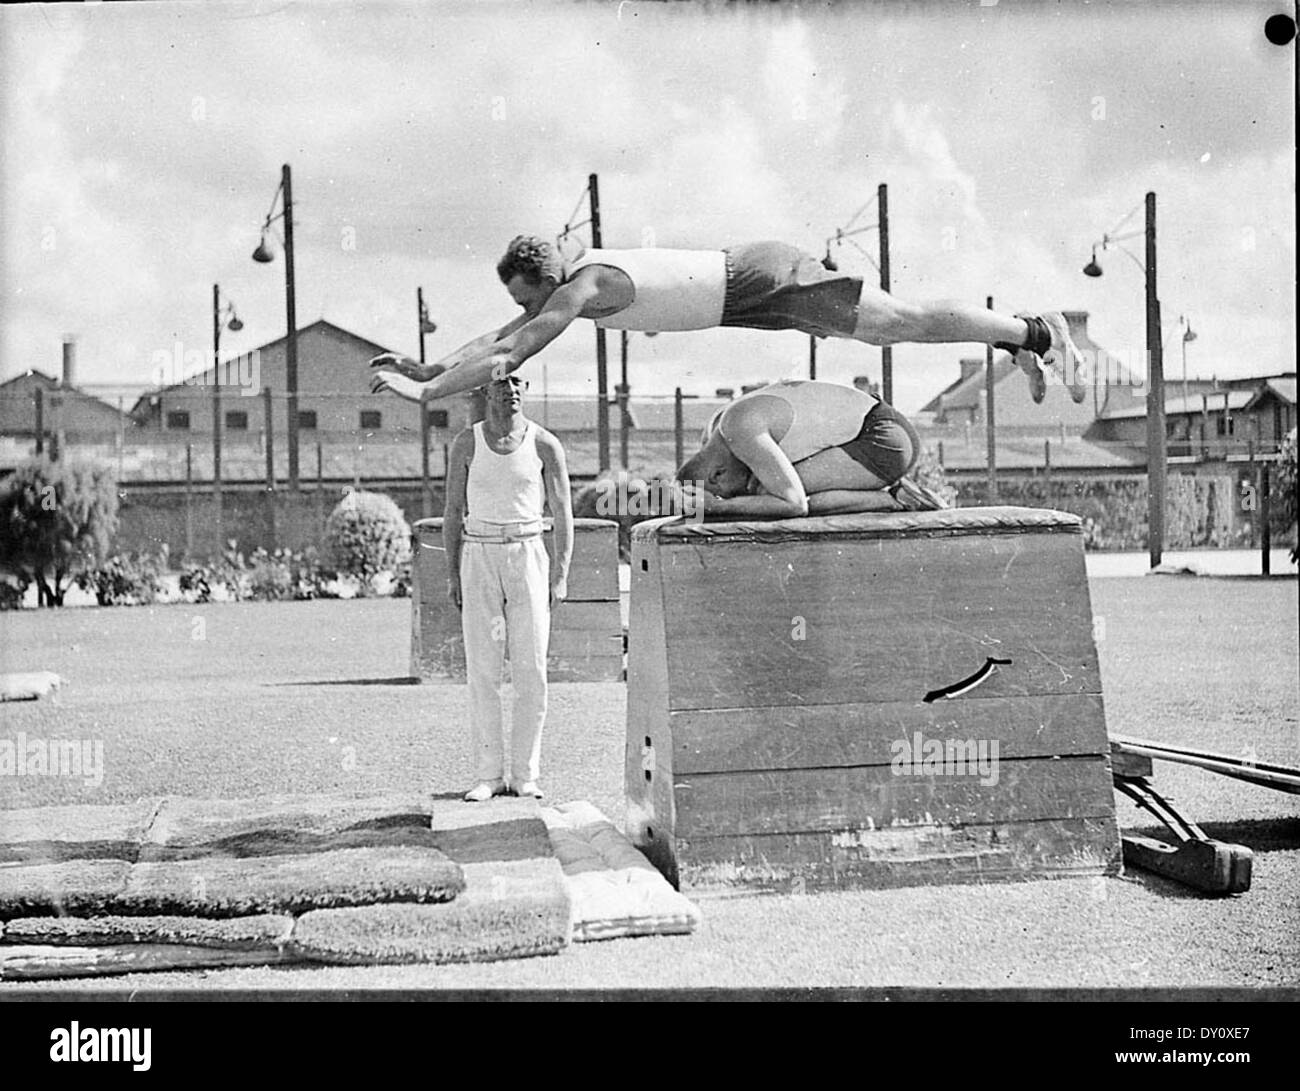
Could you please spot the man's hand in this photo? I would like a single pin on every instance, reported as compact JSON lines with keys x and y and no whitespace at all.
{"x":395,"y":361}
{"x":559,"y":589}
{"x":398,"y":384}
{"x":453,"y":591}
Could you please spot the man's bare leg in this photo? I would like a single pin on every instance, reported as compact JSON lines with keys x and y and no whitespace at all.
{"x":886,"y":320}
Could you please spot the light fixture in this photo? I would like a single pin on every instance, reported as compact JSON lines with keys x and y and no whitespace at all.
{"x":1092,"y":269}
{"x":262,"y":254}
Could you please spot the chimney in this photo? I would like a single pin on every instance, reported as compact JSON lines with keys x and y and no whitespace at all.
{"x":749,"y":388}
{"x":724,"y":392}
{"x":69,"y":359}
{"x":971,"y":366}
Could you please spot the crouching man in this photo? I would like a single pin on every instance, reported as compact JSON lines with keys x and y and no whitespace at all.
{"x":500,"y":578}
{"x":802,"y":447}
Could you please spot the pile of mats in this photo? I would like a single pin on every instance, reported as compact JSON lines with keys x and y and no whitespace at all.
{"x":180,"y":883}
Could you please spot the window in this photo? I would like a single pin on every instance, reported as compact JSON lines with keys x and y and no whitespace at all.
{"x":306,"y":418}
{"x":371,"y":419}
{"x":178,"y":419}
{"x":237,"y":420}
{"x":439,"y":418}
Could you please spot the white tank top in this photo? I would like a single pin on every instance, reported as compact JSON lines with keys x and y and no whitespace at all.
{"x":505,"y":488}
{"x":675,"y":289}
{"x":824,"y":414}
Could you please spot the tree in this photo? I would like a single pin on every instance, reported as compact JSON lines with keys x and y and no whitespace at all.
{"x":56,"y":518}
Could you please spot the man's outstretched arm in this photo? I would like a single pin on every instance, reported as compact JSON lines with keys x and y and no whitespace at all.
{"x":504,"y":356}
{"x":422,"y":373}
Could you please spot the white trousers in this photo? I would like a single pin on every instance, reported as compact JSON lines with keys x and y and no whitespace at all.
{"x":505,"y":596}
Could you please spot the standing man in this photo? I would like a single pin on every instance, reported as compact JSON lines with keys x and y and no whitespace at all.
{"x":761,"y":285}
{"x":500,"y":578}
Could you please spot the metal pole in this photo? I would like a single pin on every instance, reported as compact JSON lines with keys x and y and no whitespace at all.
{"x":622,"y":400}
{"x":291,"y":342}
{"x":419,"y":310}
{"x":216,"y":413}
{"x":189,"y":499}
{"x":121,"y":439}
{"x":989,"y":414}
{"x":602,"y":379}
{"x":1155,"y":398}
{"x":267,"y":409}
{"x":320,"y":491}
{"x":1047,"y":463}
{"x":886,"y":353}
{"x":426,"y":502}
{"x":1266,"y":533}
{"x":812,"y":357}
{"x":38,"y":396}
{"x":679,"y":431}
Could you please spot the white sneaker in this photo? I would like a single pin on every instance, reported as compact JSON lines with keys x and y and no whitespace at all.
{"x":528,"y":788}
{"x":1032,"y":366}
{"x":485,"y":790}
{"x":1064,"y":359}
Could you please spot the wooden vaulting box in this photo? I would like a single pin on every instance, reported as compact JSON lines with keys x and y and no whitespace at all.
{"x":866,"y":700}
{"x":586,"y":629}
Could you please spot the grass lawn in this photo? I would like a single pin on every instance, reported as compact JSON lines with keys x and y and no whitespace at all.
{"x":235,"y":700}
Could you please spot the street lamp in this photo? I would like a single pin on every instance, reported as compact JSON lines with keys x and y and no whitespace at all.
{"x":263,"y":255}
{"x":220,"y":311}
{"x":1189,"y":335}
{"x":1155,"y":369}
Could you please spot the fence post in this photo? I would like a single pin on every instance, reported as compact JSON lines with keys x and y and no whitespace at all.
{"x":189,"y":499}
{"x":320,"y":493}
{"x":1047,"y":463}
{"x":990,"y":418}
{"x":941,"y":454}
{"x":679,"y":431}
{"x":38,"y":396}
{"x":426,"y":495}
{"x":269,"y":530}
{"x":1267,"y":533}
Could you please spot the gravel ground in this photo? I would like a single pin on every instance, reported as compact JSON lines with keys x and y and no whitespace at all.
{"x":237,"y":700}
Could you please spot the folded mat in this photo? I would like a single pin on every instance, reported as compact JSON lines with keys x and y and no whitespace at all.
{"x":218,"y":857}
{"x":614,"y":889}
{"x":221,"y":858}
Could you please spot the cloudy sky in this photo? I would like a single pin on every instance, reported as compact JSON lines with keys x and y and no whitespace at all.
{"x":142,"y":146}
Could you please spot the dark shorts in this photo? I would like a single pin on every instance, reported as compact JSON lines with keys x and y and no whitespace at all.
{"x":888,"y":445}
{"x":773,"y":286}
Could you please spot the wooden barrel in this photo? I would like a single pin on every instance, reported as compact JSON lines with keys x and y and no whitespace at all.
{"x":866,"y":700}
{"x":586,"y":630}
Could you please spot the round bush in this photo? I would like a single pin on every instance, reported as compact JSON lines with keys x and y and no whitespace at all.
{"x":366,"y":534}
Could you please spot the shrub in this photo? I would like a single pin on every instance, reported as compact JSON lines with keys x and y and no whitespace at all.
{"x":627,"y":500}
{"x":126,"y":579}
{"x":56,"y":519}
{"x":12,"y":591}
{"x":366,"y":534}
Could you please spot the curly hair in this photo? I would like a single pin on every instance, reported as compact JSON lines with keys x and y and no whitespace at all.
{"x":531,"y":257}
